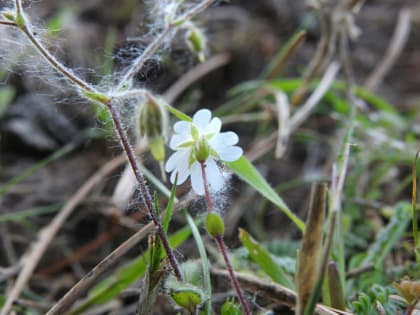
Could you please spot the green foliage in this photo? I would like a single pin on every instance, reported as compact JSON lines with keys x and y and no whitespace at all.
{"x":205,"y":266}
{"x":230,"y":307}
{"x":389,"y":236}
{"x":377,"y":297}
{"x":247,"y":172}
{"x":264,"y":260}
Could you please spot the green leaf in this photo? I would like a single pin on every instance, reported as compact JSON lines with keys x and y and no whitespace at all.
{"x":388,"y":237}
{"x":205,"y":267}
{"x":263,"y":259}
{"x":170,"y":207}
{"x":230,"y":307}
{"x":178,"y":113}
{"x":247,"y":172}
{"x":125,"y":276}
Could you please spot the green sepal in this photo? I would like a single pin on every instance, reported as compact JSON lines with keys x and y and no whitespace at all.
{"x":157,"y":148}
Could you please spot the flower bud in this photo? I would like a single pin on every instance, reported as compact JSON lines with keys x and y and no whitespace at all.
{"x":196,"y":42}
{"x":188,"y":297}
{"x":9,"y":16}
{"x":214,"y":224}
{"x":151,"y":122}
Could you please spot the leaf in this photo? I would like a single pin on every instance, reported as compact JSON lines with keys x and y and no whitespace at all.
{"x":263,"y":259}
{"x":178,"y":113}
{"x":248,"y":173}
{"x":169,"y":207}
{"x":389,"y":235}
{"x":205,"y":267}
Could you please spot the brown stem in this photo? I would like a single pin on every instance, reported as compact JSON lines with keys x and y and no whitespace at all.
{"x":8,"y":23}
{"x":222,"y":246}
{"x":147,"y":197}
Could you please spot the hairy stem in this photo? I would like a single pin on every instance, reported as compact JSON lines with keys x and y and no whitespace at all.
{"x":58,"y":66}
{"x":158,"y":41}
{"x":222,"y":247}
{"x":147,"y":197}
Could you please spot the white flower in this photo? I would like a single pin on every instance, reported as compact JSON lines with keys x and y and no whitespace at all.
{"x":197,"y":142}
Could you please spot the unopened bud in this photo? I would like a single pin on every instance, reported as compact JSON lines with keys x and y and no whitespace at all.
{"x":196,"y":41}
{"x":9,"y":16}
{"x":215,"y":225}
{"x":189,"y":298}
{"x":151,"y":122}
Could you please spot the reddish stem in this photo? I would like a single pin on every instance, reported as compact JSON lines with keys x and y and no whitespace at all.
{"x":222,"y":246}
{"x":206,"y":186}
{"x":147,"y":197}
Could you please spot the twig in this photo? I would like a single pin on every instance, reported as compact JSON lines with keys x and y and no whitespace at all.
{"x":89,"y":279}
{"x":46,"y":235}
{"x":393,"y":51}
{"x":270,"y":290}
{"x":138,"y":63}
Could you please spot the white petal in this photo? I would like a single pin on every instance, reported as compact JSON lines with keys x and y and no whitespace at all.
{"x":182,"y":176}
{"x":197,"y":179}
{"x":213,"y":127}
{"x":202,"y":118}
{"x":182,"y":127}
{"x":178,"y":164}
{"x":214,"y":176}
{"x":223,"y":140}
{"x":176,"y":159}
{"x":230,"y":154}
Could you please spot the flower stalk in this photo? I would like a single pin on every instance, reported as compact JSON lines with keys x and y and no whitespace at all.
{"x":222,"y":247}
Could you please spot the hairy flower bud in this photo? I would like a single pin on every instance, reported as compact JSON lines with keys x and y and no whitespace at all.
{"x":151,"y":123}
{"x":196,"y":41}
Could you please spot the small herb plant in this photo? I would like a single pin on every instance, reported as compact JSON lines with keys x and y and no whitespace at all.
{"x":326,"y":273}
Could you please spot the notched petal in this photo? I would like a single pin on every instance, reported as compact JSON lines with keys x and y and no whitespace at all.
{"x":202,"y":118}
